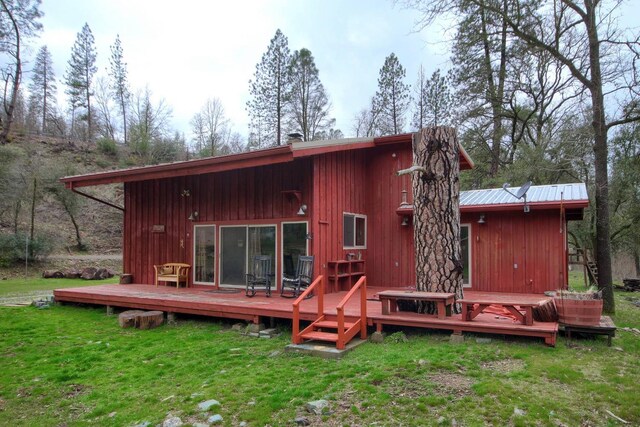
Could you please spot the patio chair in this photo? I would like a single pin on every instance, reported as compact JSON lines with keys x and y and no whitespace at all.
{"x":260,"y":276}
{"x":293,"y":286}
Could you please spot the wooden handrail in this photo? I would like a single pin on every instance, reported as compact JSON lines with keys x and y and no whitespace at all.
{"x":318,"y":283}
{"x":344,"y":336}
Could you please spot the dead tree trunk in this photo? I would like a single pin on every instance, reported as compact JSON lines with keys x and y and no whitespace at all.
{"x":436,"y":213}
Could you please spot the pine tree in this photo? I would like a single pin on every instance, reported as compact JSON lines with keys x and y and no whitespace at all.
{"x":268,"y":90}
{"x":43,"y":88}
{"x":433,"y":100}
{"x":309,"y":104}
{"x":18,"y":21}
{"x":80,"y":71}
{"x":392,"y":98}
{"x":119,"y":82}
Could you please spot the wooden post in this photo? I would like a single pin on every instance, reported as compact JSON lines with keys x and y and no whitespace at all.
{"x":436,"y":213}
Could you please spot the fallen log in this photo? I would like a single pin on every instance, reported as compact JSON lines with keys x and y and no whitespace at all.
{"x":545,"y":312}
{"x":128,"y":319}
{"x":150,"y":319}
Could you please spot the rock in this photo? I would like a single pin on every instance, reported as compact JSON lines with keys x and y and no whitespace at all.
{"x":618,"y":348}
{"x":41,"y":304}
{"x":143,"y":424}
{"x":215,"y":419}
{"x":89,"y":273}
{"x":172,"y":422}
{"x":483,"y":340}
{"x":194,"y":395}
{"x":269,"y":333}
{"x":423,"y":362}
{"x":318,"y":407}
{"x":518,"y":412}
{"x":456,"y":338}
{"x":204,"y":406}
{"x":441,"y":420}
{"x":52,"y":274}
{"x":275,"y":353}
{"x":112,"y":414}
{"x":256,"y":327}
{"x":376,"y":337}
{"x":302,"y":421}
{"x":200,"y":424}
{"x":243,"y":424}
{"x":238,"y":327}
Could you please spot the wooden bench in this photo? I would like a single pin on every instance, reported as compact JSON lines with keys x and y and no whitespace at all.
{"x":390,"y":299}
{"x":606,"y":327}
{"x":509,"y":302}
{"x":175,"y":272}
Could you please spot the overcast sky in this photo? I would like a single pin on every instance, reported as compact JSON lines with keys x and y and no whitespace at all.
{"x":188,"y":51}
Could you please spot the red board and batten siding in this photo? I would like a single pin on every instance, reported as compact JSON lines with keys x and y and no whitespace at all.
{"x":517,"y":252}
{"x":339,"y":182}
{"x":390,"y":260}
{"x":252,"y":195}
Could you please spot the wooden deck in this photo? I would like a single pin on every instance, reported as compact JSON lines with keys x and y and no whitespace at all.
{"x":235,"y":305}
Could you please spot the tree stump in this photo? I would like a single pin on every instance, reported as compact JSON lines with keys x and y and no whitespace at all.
{"x":127,"y":319}
{"x":436,"y":213}
{"x":150,"y":319}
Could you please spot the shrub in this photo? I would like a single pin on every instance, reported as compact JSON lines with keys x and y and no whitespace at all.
{"x":13,"y":248}
{"x":107,"y":146}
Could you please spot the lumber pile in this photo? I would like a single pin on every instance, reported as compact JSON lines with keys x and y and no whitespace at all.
{"x":631,"y":285}
{"x":140,"y":319}
{"x":545,"y":312}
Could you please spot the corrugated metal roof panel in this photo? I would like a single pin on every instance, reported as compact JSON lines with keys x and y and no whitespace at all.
{"x":536,"y":194}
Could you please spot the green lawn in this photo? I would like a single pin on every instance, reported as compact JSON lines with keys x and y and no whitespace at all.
{"x":17,"y":286}
{"x":72,"y":365}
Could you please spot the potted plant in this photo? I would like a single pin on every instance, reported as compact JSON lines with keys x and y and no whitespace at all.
{"x":581,"y":308}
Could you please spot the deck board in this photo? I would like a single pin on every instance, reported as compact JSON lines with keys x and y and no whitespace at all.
{"x":204,"y":302}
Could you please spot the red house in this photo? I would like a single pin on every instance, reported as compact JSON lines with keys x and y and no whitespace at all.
{"x":338,"y":200}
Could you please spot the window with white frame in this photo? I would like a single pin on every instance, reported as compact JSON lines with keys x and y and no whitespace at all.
{"x":354,"y":231}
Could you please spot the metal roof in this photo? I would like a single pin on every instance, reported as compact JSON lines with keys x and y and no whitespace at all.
{"x":537,"y":194}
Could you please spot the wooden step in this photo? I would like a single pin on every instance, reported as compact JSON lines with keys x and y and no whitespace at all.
{"x":320,"y":336}
{"x":329,"y":324}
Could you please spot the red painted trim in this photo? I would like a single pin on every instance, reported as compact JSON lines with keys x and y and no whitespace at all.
{"x":190,"y":167}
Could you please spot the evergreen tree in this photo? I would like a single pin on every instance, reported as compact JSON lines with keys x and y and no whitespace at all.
{"x":119,"y":82}
{"x":43,"y":88}
{"x":433,"y":100}
{"x":268,"y":90}
{"x":80,"y":71}
{"x":309,"y":104}
{"x":392,"y":98}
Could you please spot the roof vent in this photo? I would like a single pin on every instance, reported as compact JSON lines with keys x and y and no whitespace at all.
{"x":294,"y":137}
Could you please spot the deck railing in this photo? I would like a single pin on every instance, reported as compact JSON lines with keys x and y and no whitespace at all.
{"x":318,"y":287}
{"x":344,"y":336}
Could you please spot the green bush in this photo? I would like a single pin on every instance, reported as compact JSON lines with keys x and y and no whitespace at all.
{"x":13,"y":248}
{"x":107,"y":146}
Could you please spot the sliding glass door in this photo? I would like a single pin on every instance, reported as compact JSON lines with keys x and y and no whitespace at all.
{"x":204,"y":254}
{"x":238,"y":244}
{"x":294,"y":244}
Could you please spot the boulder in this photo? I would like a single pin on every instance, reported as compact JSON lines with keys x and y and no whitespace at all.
{"x":318,"y":407}
{"x":206,"y":405}
{"x":89,"y":273}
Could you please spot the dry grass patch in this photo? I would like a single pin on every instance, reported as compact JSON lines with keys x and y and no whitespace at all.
{"x":451,"y":383}
{"x":504,"y":366}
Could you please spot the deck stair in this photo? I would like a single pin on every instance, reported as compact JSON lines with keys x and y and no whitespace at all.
{"x":336,"y":331}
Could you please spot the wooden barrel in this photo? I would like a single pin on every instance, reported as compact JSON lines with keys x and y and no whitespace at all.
{"x":585,"y":312}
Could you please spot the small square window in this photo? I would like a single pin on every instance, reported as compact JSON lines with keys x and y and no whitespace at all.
{"x":354,"y":231}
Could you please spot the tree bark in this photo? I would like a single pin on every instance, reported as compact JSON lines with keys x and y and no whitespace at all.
{"x":436,"y":222}
{"x":600,"y":150}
